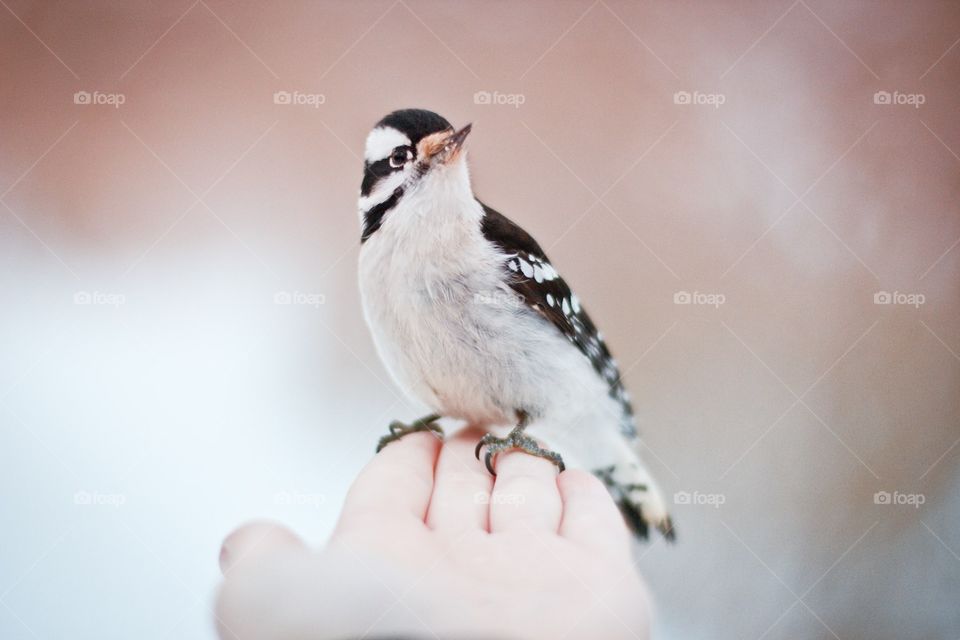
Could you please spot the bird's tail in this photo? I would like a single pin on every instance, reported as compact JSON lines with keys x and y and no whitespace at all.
{"x":637,"y":494}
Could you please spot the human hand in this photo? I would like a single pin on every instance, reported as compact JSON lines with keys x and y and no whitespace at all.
{"x":430,"y":545}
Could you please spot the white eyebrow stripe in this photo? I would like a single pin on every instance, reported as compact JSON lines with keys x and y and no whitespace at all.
{"x":382,"y":141}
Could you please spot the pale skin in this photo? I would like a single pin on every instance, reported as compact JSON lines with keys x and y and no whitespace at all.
{"x":429,"y":545}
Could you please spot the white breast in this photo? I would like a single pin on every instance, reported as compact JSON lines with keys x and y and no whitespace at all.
{"x":449,"y":328}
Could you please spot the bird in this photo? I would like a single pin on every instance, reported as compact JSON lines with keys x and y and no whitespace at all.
{"x":471,"y":319}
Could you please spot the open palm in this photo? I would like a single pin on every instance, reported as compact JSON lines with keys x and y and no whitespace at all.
{"x":430,"y":545}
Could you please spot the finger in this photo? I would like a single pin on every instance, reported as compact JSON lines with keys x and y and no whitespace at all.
{"x":254,"y":541}
{"x":461,"y":486}
{"x":525,"y":494}
{"x":397,"y":482}
{"x":590,"y":516}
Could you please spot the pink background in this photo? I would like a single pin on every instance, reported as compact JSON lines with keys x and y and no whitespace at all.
{"x":202,"y":402}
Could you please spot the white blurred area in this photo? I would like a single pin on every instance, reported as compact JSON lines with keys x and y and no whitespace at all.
{"x":134,"y":436}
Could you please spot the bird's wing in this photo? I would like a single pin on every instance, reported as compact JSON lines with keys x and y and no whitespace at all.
{"x":542,"y":289}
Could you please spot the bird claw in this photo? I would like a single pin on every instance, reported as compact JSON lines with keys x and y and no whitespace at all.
{"x":514,"y":440}
{"x":399,"y":429}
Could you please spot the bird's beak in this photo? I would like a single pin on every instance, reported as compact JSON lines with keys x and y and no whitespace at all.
{"x":456,"y":140}
{"x":444,"y":147}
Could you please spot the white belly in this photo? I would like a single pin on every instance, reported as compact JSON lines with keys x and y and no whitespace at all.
{"x":454,"y":336}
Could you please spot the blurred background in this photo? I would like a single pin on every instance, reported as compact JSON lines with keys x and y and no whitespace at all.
{"x":757,"y":201}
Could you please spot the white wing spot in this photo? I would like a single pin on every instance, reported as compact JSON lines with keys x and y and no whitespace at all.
{"x":526,"y":268}
{"x":550,"y":299}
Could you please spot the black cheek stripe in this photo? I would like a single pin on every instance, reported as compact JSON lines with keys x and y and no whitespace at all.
{"x":373,"y":218}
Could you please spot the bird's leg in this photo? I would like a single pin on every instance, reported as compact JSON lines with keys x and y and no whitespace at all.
{"x":399,"y":429}
{"x":516,"y":439}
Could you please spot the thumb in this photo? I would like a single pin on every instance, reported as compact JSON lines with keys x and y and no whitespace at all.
{"x":253,"y":541}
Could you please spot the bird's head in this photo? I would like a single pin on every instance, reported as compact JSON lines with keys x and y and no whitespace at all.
{"x":404,"y":151}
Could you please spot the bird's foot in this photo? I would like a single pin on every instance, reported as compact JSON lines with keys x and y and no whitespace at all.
{"x":399,"y":429}
{"x":516,"y":439}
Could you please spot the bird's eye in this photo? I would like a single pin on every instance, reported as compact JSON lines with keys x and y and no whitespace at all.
{"x":398,"y":157}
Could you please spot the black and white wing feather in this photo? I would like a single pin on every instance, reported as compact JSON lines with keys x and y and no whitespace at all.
{"x":542,"y":289}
